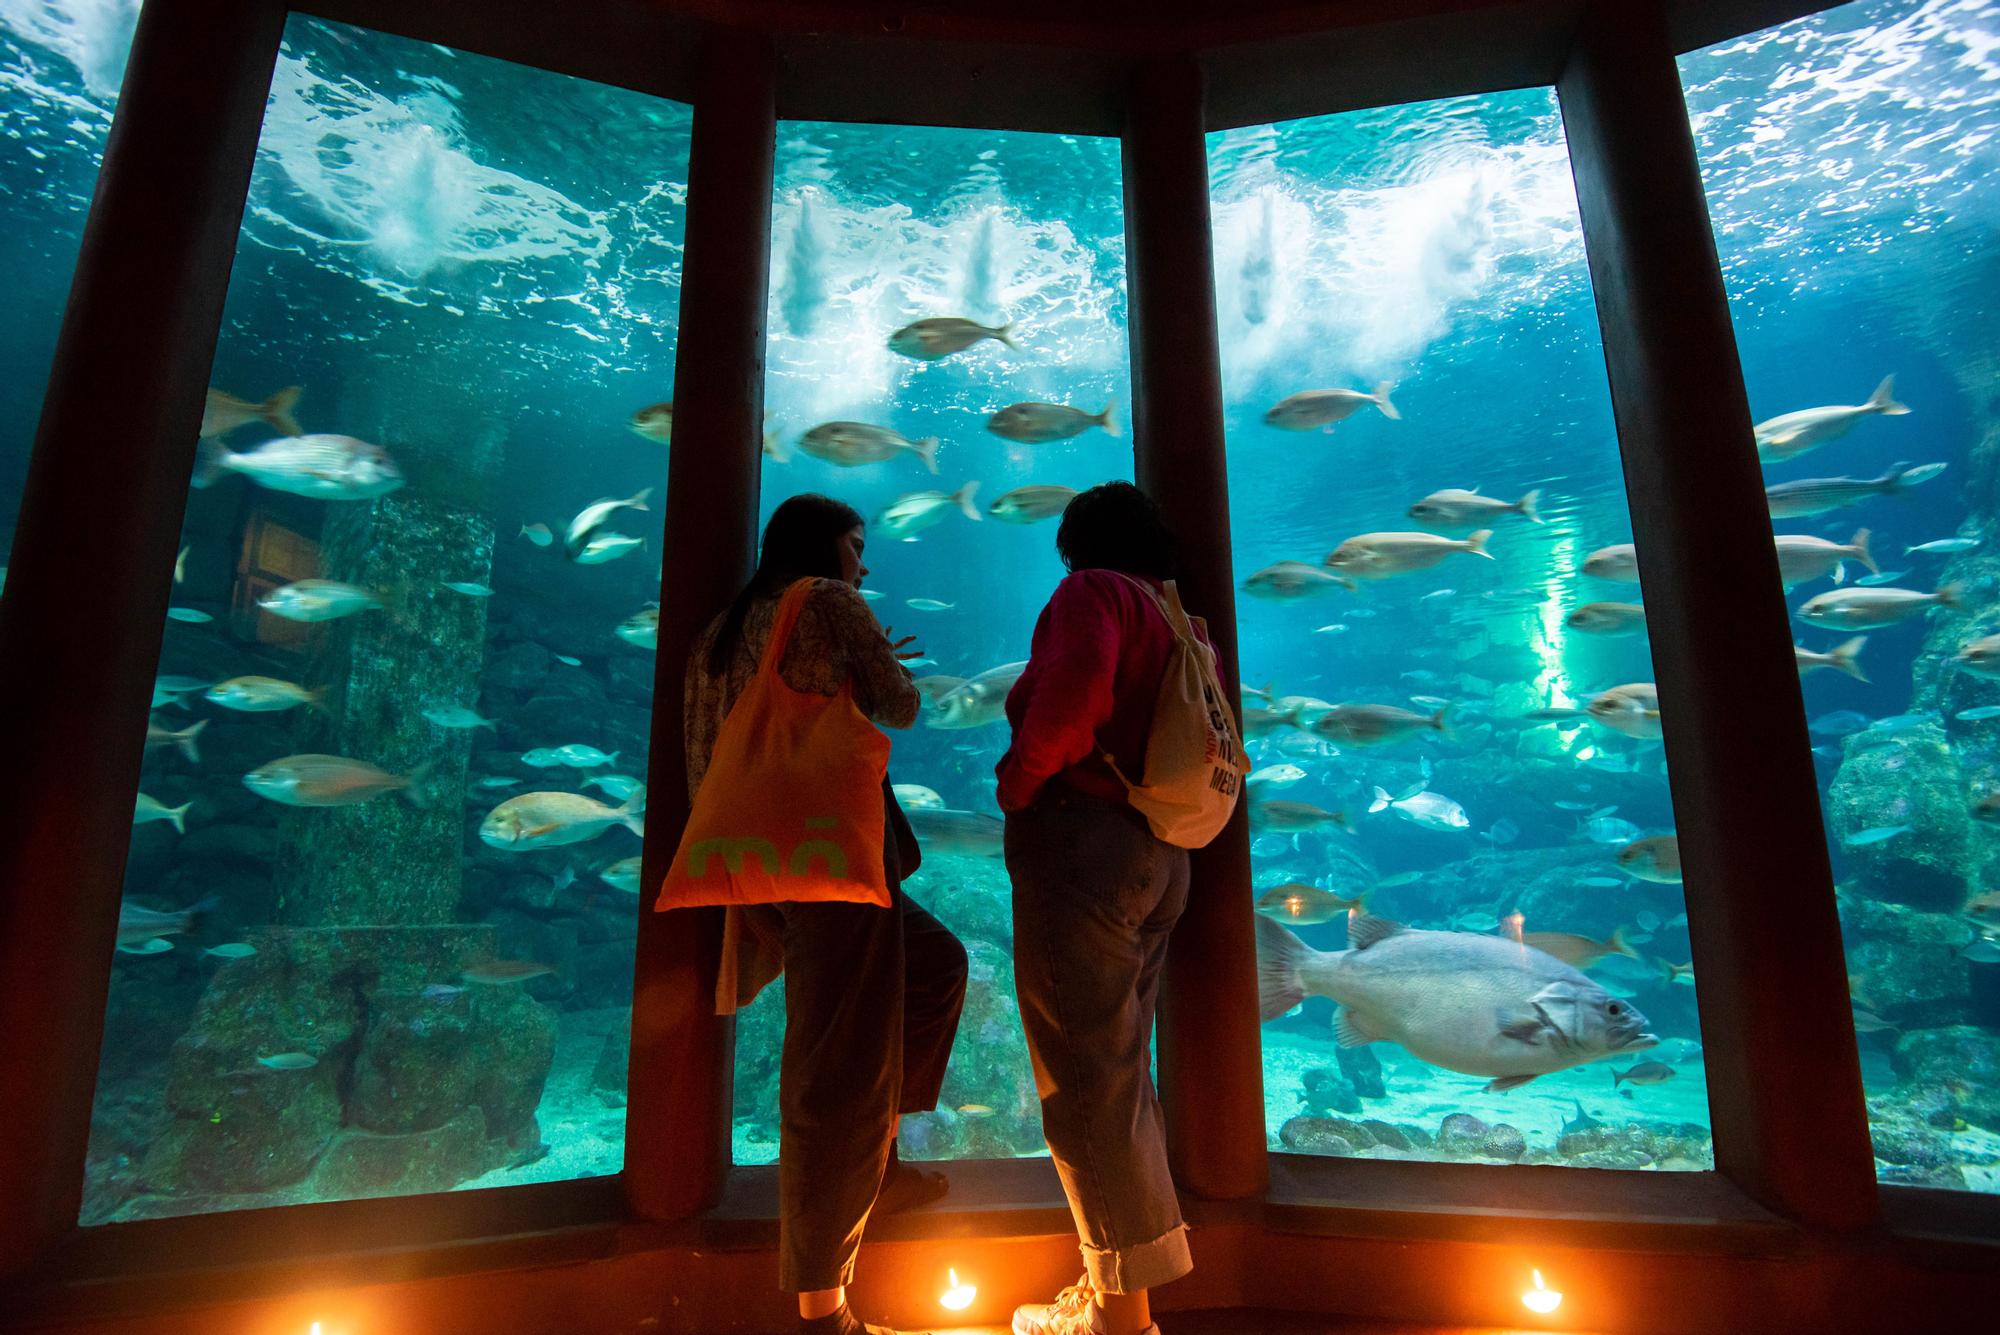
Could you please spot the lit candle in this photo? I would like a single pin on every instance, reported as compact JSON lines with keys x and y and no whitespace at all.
{"x":959,"y":1296}
{"x":1541,"y":1298}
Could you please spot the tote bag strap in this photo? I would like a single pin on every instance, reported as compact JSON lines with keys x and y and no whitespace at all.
{"x":789,"y":608}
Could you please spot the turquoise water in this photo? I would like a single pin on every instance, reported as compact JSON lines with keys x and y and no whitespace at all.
{"x":475,"y":266}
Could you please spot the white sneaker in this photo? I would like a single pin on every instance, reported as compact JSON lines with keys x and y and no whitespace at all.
{"x":1072,"y":1313}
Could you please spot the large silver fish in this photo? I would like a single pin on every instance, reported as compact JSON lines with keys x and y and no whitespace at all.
{"x":1040,"y":423}
{"x":594,"y":517}
{"x":940,"y":336}
{"x":1319,"y":409}
{"x":1817,"y":495}
{"x":1633,"y":710}
{"x":1789,"y":436}
{"x":1803,"y":558}
{"x":851,"y":444}
{"x":1381,"y":555}
{"x":327,"y":468}
{"x":1031,"y":504}
{"x":317,"y":600}
{"x":1455,"y":508}
{"x":1864,"y":609}
{"x":907,"y":516}
{"x":1481,"y":1005}
{"x":968,"y":833}
{"x":977,"y":701}
{"x":1287,"y":581}
{"x":548,"y":820}
{"x":137,"y":923}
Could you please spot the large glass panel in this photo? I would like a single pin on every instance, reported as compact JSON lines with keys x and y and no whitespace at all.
{"x":382,"y":889}
{"x":1448,"y":686}
{"x":1851,"y":161}
{"x":61,"y":62}
{"x":876,"y":228}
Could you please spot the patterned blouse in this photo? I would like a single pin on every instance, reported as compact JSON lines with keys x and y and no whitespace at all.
{"x":837,"y":639}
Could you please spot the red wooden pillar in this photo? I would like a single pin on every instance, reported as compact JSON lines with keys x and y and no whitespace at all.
{"x":677,"y":1143}
{"x":92,"y":564}
{"x":1211,"y":1053}
{"x":1784,"y":1080}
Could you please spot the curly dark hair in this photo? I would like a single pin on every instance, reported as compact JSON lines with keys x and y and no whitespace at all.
{"x":1115,"y":526}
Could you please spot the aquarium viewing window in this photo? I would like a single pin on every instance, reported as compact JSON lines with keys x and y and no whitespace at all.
{"x":875,"y":227}
{"x":336,"y":783}
{"x":379,"y":910}
{"x":1447,"y":681}
{"x":1850,"y":163}
{"x":59,"y":71}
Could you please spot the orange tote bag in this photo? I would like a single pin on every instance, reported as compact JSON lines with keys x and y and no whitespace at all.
{"x":791,"y":806}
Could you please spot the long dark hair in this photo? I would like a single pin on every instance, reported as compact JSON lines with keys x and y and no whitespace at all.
{"x":801,"y":540}
{"x":1115,"y":526}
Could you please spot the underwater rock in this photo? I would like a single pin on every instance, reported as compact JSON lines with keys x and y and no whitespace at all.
{"x":1963,"y":1058}
{"x":1394,"y":1137}
{"x":1461,"y":1135}
{"x":1325,"y":1135}
{"x":1461,"y":1131}
{"x":1947,"y":1177}
{"x":1905,"y":1140}
{"x":430,"y":1054}
{"x":1904,"y":963}
{"x":1637,"y":1145}
{"x":252,"y":845}
{"x":519,"y":667}
{"x":1363,"y":1070}
{"x":608,"y":1076}
{"x":1913,"y":781}
{"x":1503,"y":1142}
{"x":600,"y":975}
{"x":630,"y":677}
{"x":364,"y":1163}
{"x":1327,"y":1092}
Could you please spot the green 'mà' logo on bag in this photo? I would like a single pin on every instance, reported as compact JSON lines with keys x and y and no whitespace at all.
{"x":737,"y":853}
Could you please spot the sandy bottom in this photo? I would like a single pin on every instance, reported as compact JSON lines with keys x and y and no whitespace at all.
{"x":586,"y":1138}
{"x":1422,"y":1095}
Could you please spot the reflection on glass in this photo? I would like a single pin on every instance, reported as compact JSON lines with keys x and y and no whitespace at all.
{"x":383,"y":882}
{"x":60,"y":67}
{"x":1448,"y":692}
{"x":947,"y":354}
{"x":1850,"y":160}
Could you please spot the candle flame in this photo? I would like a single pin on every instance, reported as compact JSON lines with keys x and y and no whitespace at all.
{"x":1541,"y":1298}
{"x":959,"y":1296}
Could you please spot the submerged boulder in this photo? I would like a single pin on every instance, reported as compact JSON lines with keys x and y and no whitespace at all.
{"x":1911,"y":781}
{"x":1964,"y":1059}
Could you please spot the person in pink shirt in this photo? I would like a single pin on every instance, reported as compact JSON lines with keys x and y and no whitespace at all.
{"x":1095,"y":899}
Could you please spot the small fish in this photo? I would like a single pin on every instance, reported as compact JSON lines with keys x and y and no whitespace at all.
{"x":1377,"y":725}
{"x":442,"y":992}
{"x":1864,"y":609}
{"x":1332,"y":628}
{"x":1401,"y":878}
{"x":607,"y":547}
{"x":1385,"y":555}
{"x":1868,"y":1022}
{"x":873,"y":595}
{"x":1648,"y":920}
{"x":1608,"y":619}
{"x":569,"y":661}
{"x":329,"y":781}
{"x":1608,"y":830}
{"x":1791,"y":435}
{"x":622,"y":875}
{"x":501,"y":972}
{"x":1306,"y":905}
{"x":1843,"y":657}
{"x":1455,"y":509}
{"x":1983,"y":951}
{"x":1600,"y":882}
{"x":156,"y":946}
{"x":655,"y":422}
{"x":1881,"y":577}
{"x":1980,"y":657}
{"x":456,"y":716}
{"x":1803,"y":558}
{"x":1880,"y":834}
{"x":1895,"y":724}
{"x":1839,"y":723}
{"x":1574,"y":806}
{"x":1438,"y":595}
{"x":1656,"y":858}
{"x":189,"y":615}
{"x":928,"y":605}
{"x":146,"y":810}
{"x":974,"y":1110}
{"x":1945,"y":546}
{"x":620,"y":786}
{"x":318,"y":600}
{"x":539,"y":534}
{"x":222,"y":412}
{"x":852,"y":444}
{"x":641,"y":630}
{"x":182,"y":741}
{"x":1319,"y":409}
{"x":1430,"y":811}
{"x":1287,"y":815}
{"x":1577,"y":951}
{"x":1978,"y":715}
{"x":548,"y":820}
{"x":594,"y":517}
{"x":1583,"y":1121}
{"x":170,"y":688}
{"x":137,"y":923}
{"x":1288,"y":581}
{"x":1031,"y":504}
{"x":1817,"y":495}
{"x":579,"y":756}
{"x":1502,"y":831}
{"x":916,"y":797}
{"x":940,"y":336}
{"x":1642,"y":1073}
{"x":261,"y":695}
{"x":328,"y":468}
{"x":468,"y":588}
{"x":180,"y":567}
{"x":1040,"y":423}
{"x":232,"y":950}
{"x":912,"y":513}
{"x":498,"y":781}
{"x":289,"y":1061}
{"x":1277,"y":776}
{"x":1478,"y":920}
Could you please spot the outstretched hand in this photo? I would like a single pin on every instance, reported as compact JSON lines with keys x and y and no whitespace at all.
{"x":899,"y":645}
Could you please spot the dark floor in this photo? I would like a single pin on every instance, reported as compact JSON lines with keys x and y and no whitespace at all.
{"x":1238,"y":1321}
